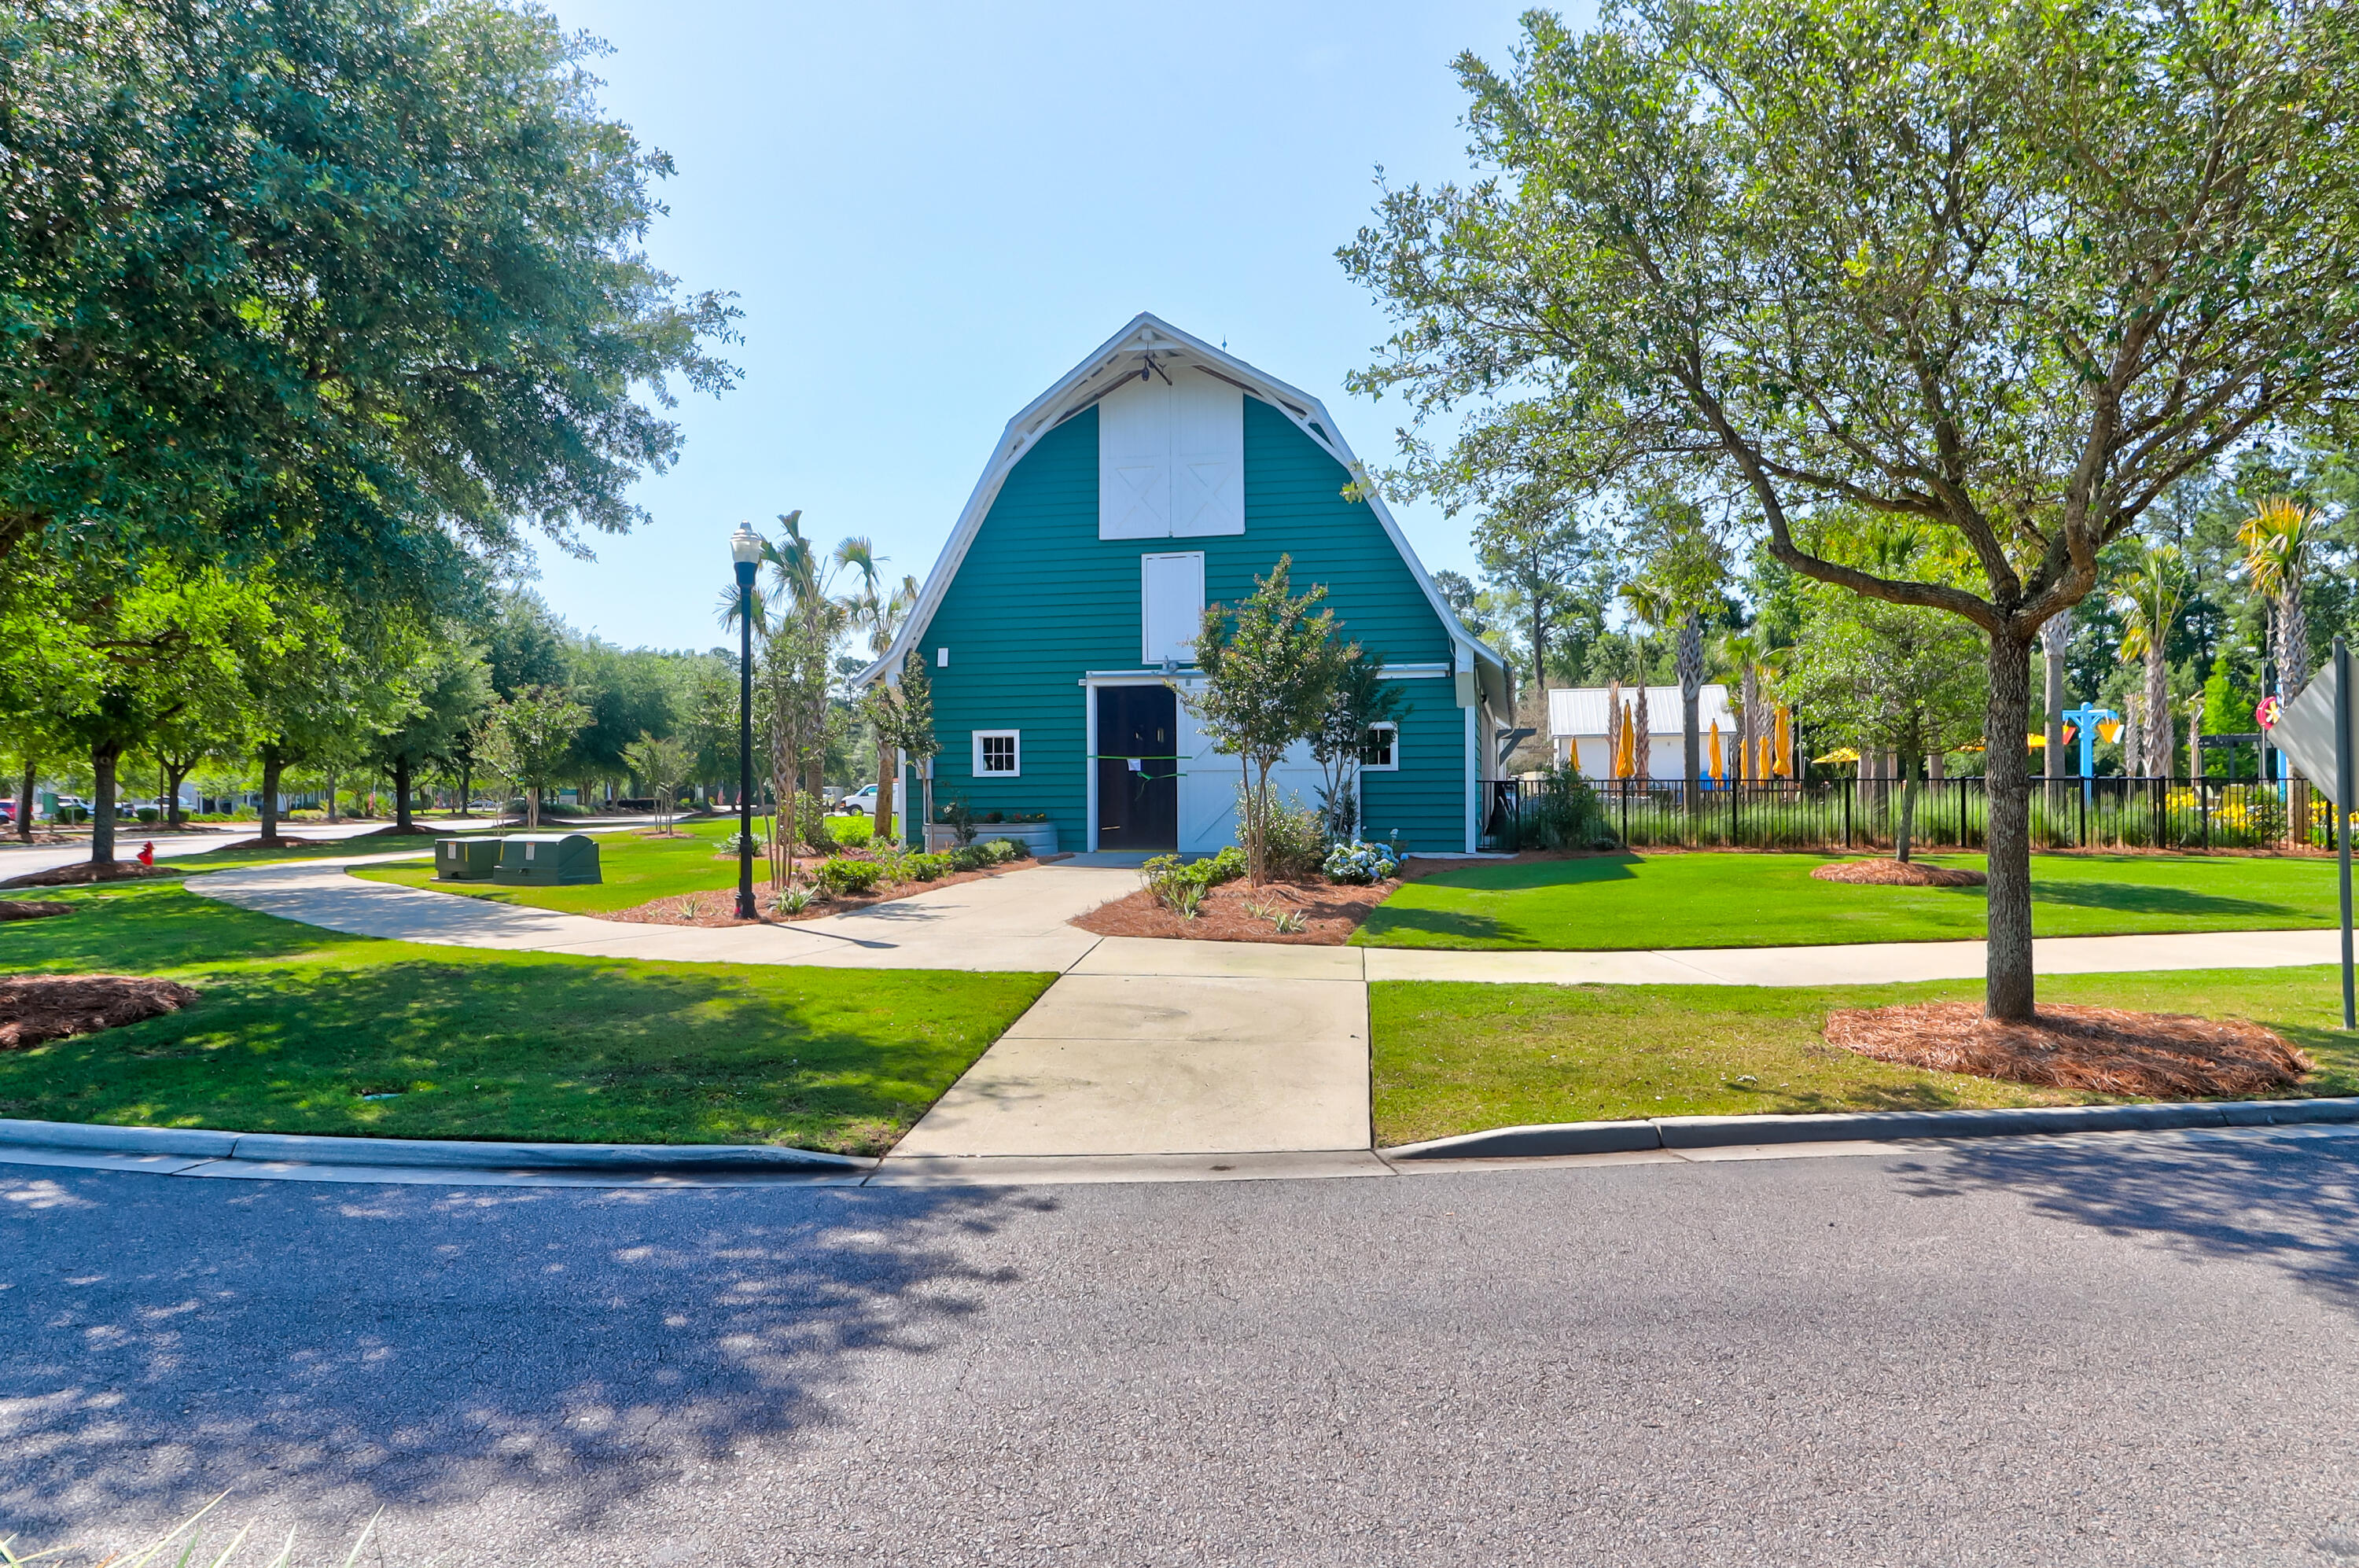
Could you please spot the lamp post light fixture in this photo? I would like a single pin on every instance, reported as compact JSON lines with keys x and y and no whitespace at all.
{"x":745,"y":549}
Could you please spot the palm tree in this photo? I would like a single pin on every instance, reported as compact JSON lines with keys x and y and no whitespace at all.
{"x":2277,"y":540}
{"x":2150,"y":597}
{"x":1650,"y":610}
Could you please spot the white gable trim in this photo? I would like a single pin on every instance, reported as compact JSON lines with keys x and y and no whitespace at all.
{"x":1124,"y":354}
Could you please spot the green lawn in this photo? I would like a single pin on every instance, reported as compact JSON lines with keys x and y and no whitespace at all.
{"x":1460,"y":1057}
{"x":1622,"y":901}
{"x":193,"y":861}
{"x":296,"y":1024}
{"x":637,"y":866}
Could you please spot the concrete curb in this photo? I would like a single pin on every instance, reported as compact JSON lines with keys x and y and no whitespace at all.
{"x":1722,"y":1132}
{"x":390,"y":1153}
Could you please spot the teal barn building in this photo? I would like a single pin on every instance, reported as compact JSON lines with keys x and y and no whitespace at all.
{"x":1056,"y":629}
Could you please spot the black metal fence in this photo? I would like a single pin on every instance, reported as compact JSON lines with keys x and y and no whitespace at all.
{"x":1866,"y":814}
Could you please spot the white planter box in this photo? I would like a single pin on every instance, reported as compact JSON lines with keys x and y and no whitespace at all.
{"x":1039,"y":838}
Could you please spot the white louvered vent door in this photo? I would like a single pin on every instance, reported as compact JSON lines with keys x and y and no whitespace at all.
{"x":1171,"y":606}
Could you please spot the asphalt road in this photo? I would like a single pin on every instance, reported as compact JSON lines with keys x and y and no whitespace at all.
{"x":2098,"y":1350}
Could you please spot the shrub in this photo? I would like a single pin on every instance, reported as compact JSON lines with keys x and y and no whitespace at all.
{"x":814,"y":825}
{"x":732,"y":844}
{"x":1180,"y":886}
{"x":1565,"y":814}
{"x":149,"y":815}
{"x":846,"y":878}
{"x":852,"y":832}
{"x":1295,"y":842}
{"x":791,"y":900}
{"x":929,"y":868}
{"x":961,"y":818}
{"x":1361,"y":864}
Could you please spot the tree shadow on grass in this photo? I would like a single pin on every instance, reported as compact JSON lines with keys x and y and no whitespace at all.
{"x":1527,"y":874}
{"x":2287,"y":1200}
{"x":1387,"y":921}
{"x":2140,"y":899}
{"x":323,"y":1351}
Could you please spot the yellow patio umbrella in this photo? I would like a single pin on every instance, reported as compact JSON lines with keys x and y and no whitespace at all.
{"x":1613,"y":738}
{"x":1626,"y":766}
{"x":1781,"y":759}
{"x":1718,"y":775}
{"x":1843,"y":754}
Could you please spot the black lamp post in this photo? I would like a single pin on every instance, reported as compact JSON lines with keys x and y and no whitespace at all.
{"x":745,"y":549}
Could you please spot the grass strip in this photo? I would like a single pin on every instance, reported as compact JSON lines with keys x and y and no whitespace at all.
{"x":1627,"y":901}
{"x":1456,"y":1057}
{"x":296,"y":1027}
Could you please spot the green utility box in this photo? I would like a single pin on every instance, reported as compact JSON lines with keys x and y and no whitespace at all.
{"x":465,"y":859}
{"x":544,"y":860}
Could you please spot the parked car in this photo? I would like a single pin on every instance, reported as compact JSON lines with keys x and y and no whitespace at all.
{"x":861,"y":802}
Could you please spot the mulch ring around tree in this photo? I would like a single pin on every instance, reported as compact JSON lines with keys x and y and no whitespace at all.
{"x":1897,"y":874}
{"x":2098,"y":1050}
{"x":83,"y":872}
{"x":1239,"y":911}
{"x":32,"y":909}
{"x":38,"y":1008}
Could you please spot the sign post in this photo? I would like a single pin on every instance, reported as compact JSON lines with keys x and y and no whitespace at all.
{"x":2315,"y":731}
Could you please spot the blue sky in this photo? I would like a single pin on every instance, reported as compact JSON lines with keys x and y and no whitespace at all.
{"x":930,"y":213}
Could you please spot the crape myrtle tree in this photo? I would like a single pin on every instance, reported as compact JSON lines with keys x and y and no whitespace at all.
{"x":1271,"y":664}
{"x":528,"y":740}
{"x":2009,"y":271}
{"x":352,"y":283}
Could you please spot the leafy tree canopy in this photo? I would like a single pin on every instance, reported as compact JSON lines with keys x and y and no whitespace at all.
{"x":348,"y":285}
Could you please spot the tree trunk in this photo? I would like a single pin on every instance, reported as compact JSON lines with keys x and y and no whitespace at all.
{"x":2162,"y":732}
{"x":103,"y":758}
{"x":1690,"y":670}
{"x":24,"y":789}
{"x":467,"y":789}
{"x":332,"y":797}
{"x":532,"y":808}
{"x":273,"y":766}
{"x":173,"y":779}
{"x":401,"y":822}
{"x":883,"y":820}
{"x":1642,"y":733}
{"x":1748,"y":720}
{"x":2007,"y":989}
{"x":2053,"y":638}
{"x":1907,"y":833}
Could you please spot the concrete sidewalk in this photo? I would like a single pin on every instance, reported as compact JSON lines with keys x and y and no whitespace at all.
{"x":1018,"y":920}
{"x":1155,"y":1064}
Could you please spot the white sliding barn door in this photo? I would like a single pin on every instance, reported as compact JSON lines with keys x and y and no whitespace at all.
{"x":1209,"y":782}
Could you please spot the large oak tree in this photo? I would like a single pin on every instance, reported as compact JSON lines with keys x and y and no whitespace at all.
{"x":2009,"y":271}
{"x":348,"y":286}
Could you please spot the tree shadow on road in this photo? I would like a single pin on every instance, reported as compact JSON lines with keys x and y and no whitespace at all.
{"x":2287,"y":1200}
{"x":325,"y":1350}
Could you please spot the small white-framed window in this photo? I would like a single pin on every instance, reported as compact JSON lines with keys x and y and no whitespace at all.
{"x":998,"y":754}
{"x":1382,"y":752}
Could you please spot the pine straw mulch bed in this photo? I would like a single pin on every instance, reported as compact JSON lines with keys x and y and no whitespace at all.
{"x":1897,"y":874}
{"x":38,"y":1008}
{"x":718,"y":906}
{"x":1331,"y":912}
{"x":83,"y":872}
{"x":32,"y":909}
{"x":2098,"y":1050}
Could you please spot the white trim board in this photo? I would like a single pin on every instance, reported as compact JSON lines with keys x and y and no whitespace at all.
{"x":1148,"y":340}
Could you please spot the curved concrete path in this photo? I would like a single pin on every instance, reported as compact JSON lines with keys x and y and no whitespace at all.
{"x":1015,"y":921}
{"x":1020,"y":921}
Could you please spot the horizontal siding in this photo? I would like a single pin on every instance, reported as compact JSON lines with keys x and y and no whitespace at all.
{"x":1040,"y":598}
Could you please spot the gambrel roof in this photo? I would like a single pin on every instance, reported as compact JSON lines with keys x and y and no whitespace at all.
{"x":1151,"y":340}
